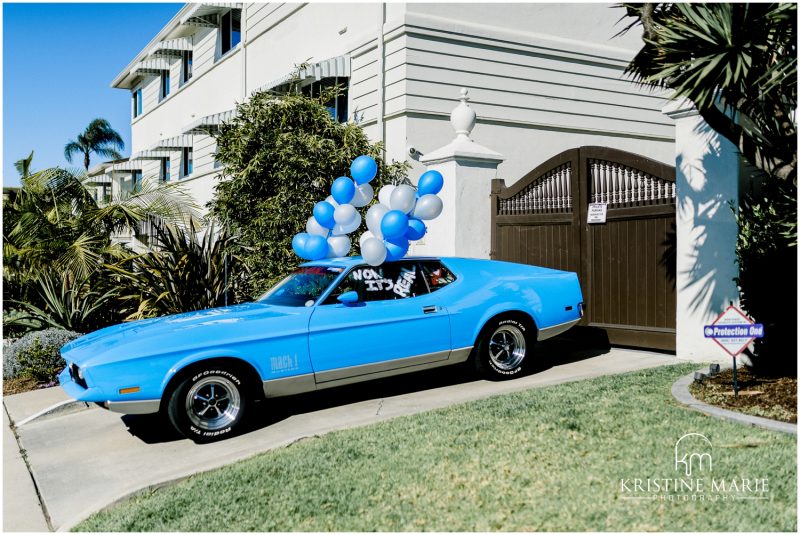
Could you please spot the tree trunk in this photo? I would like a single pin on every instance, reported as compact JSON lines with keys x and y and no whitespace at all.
{"x":86,"y":160}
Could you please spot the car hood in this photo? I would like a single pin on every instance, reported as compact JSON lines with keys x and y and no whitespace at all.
{"x":182,"y":332}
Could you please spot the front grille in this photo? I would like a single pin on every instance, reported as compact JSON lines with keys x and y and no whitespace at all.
{"x":73,"y":372}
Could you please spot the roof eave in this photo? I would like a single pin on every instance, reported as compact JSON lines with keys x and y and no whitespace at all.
{"x":122,"y":81}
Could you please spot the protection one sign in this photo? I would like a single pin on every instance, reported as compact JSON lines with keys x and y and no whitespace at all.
{"x":733,"y":331}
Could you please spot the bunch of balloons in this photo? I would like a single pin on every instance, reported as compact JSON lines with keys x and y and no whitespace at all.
{"x":399,"y":218}
{"x":336,"y":216}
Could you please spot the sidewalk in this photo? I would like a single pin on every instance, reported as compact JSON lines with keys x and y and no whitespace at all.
{"x":21,"y":508}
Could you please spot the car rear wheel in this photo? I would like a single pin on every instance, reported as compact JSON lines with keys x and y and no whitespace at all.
{"x":504,"y":349}
{"x":208,"y":404}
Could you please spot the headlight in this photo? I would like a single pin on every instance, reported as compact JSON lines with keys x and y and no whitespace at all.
{"x":77,"y":375}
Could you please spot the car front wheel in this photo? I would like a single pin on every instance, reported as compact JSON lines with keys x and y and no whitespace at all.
{"x":504,"y":349}
{"x":208,"y":404}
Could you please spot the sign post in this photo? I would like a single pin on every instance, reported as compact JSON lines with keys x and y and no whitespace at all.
{"x":733,"y":331}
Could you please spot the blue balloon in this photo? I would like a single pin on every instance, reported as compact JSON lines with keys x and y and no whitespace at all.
{"x":343,"y":190}
{"x":416,"y":229}
{"x":396,"y":249}
{"x":299,"y":243}
{"x":430,"y":182}
{"x":316,"y":247}
{"x":363,"y":169}
{"x":323,"y":213}
{"x":394,"y":224}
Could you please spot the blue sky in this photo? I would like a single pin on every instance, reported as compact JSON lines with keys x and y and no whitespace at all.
{"x":58,"y":63}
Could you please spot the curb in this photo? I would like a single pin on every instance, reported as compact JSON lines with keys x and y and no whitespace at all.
{"x":59,"y":409}
{"x":680,"y":391}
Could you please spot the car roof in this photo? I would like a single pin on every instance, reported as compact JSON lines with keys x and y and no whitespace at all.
{"x":350,"y":261}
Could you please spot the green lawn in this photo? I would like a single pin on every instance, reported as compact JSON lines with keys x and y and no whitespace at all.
{"x":546,"y":459}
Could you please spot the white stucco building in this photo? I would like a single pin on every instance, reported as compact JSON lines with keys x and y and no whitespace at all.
{"x":538,"y":85}
{"x":542,"y":79}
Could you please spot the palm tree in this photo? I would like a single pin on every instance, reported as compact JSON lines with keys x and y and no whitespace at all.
{"x":57,"y":239}
{"x":98,"y":138}
{"x":742,"y":56}
{"x":23,"y":166}
{"x":54,"y":221}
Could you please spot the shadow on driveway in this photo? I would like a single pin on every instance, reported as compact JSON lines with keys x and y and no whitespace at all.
{"x":578,"y":344}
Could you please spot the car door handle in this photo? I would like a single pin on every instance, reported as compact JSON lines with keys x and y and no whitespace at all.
{"x":430,"y":309}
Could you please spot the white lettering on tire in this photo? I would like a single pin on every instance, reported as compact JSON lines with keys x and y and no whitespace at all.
{"x":519,"y":368}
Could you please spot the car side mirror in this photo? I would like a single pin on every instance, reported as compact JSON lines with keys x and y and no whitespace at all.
{"x":348,"y":298}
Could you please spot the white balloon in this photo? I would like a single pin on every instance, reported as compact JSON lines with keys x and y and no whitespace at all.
{"x":312,"y":227}
{"x":331,"y":200}
{"x":344,"y":214}
{"x":428,"y":207}
{"x":373,"y":251}
{"x":363,"y":196}
{"x":340,"y":230}
{"x":403,"y":198}
{"x":374,"y":217}
{"x":355,"y":223}
{"x":339,"y":244}
{"x":385,"y":194}
{"x":364,"y":237}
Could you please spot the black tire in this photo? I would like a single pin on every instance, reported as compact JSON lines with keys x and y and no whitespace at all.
{"x":209,"y":403}
{"x":505,"y":348}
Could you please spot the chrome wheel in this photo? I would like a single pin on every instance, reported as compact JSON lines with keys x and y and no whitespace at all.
{"x":507,"y":347}
{"x":213,"y":403}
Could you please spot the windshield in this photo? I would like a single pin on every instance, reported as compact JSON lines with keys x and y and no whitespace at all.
{"x":302,"y":288}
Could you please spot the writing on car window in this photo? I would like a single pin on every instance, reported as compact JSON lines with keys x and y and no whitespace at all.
{"x":397,"y":280}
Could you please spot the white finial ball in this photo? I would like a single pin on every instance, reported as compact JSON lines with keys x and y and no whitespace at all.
{"x":463,"y":116}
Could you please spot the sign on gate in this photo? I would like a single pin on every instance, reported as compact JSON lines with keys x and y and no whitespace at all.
{"x":597,"y":212}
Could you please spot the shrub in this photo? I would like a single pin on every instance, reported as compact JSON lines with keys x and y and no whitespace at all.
{"x":68,"y":304}
{"x":56,"y":239}
{"x":185,"y":273}
{"x":16,"y":321}
{"x":36,"y":355}
{"x":766,"y":251}
{"x":281,"y":155}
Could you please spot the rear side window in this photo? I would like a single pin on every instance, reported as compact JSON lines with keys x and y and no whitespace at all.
{"x":393,"y":280}
{"x":436,"y":274}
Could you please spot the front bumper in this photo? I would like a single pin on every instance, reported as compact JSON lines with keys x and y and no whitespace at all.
{"x":96,"y":395}
{"x":74,"y":390}
{"x":144,"y":406}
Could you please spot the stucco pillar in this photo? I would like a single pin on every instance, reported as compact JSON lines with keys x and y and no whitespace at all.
{"x":707,"y":168}
{"x":463,"y":228}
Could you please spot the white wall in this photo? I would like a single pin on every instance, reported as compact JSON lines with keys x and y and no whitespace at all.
{"x":280,"y":36}
{"x":208,"y":92}
{"x":707,"y":179}
{"x":585,"y":23}
{"x":539,"y":86}
{"x":535,"y":94}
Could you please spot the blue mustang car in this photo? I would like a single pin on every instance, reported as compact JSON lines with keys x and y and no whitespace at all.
{"x":329,"y":323}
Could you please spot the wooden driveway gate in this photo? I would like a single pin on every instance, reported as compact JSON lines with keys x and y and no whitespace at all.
{"x":627,"y":265}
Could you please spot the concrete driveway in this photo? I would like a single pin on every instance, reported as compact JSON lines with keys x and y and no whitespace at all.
{"x":86,"y":460}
